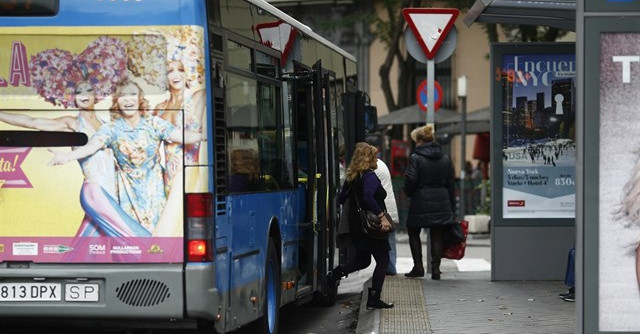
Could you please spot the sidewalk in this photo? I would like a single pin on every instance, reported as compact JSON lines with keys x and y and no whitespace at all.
{"x":467,"y":302}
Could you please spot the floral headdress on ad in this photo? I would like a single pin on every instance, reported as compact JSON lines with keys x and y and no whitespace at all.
{"x":56,"y":73}
{"x":149,"y":52}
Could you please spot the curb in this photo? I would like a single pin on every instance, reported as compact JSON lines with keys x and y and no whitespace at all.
{"x":368,"y":320}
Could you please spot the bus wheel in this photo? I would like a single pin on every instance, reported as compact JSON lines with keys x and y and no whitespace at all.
{"x":271,"y":310}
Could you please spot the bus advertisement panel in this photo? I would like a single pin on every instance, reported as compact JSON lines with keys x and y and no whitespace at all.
{"x":538,"y":135}
{"x":137,"y":93}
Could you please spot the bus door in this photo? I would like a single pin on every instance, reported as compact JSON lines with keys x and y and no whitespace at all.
{"x":329,"y":183}
{"x":322,"y":111}
{"x":302,"y":104}
{"x":333,"y":172}
{"x":311,"y":158}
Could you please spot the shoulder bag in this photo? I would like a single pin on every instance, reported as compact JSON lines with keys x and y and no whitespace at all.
{"x":371,"y":224}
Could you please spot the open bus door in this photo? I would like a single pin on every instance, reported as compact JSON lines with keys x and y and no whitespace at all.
{"x":328,"y":178}
{"x":306,"y":161}
{"x":321,"y":171}
{"x":360,"y":119}
{"x":314,"y":153}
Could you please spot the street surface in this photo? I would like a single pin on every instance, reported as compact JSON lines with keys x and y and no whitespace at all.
{"x":311,"y":318}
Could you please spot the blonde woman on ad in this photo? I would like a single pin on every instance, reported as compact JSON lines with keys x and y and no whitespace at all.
{"x":135,"y":139}
{"x":630,"y":211}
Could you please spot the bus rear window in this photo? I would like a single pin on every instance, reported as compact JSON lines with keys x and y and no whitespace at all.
{"x":28,"y":7}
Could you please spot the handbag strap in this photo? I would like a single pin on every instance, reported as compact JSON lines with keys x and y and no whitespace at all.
{"x":355,"y":196}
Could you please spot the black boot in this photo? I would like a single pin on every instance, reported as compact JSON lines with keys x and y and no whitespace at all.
{"x":416,"y":253}
{"x":435,"y":270}
{"x":373,"y":301}
{"x":435,"y":274}
{"x":415,"y":272}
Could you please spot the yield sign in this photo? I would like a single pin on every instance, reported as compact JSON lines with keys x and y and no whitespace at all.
{"x":430,"y":26}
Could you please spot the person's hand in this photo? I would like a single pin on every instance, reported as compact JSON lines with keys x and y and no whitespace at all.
{"x":59,"y":158}
{"x":386,"y":225}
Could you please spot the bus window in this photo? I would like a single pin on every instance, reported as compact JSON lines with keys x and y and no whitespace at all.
{"x":270,"y":136}
{"x":287,"y":128}
{"x":29,"y":8}
{"x":239,"y":56}
{"x":242,"y":135}
{"x":267,"y":65}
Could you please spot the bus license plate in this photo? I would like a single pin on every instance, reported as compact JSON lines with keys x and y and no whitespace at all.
{"x":81,"y":292}
{"x":26,"y":292}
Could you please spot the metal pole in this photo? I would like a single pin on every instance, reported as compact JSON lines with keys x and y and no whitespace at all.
{"x":463,"y":154}
{"x":430,"y":120}
{"x":430,"y":92}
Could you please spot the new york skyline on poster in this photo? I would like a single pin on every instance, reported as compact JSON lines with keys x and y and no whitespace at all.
{"x":538,"y":135}
{"x":535,"y":73}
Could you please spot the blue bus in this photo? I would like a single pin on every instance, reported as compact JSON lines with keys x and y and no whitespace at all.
{"x":174,"y":161}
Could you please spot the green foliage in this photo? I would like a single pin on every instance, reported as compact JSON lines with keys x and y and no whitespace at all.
{"x":528,"y":33}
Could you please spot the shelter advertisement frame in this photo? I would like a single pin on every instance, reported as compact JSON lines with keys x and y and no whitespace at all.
{"x":610,"y":288}
{"x":538,"y":180}
{"x":611,"y":5}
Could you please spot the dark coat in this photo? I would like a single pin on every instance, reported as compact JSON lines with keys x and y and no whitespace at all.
{"x":377,"y":194}
{"x":429,"y":183}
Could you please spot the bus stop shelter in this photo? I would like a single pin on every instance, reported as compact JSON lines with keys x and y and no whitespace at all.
{"x":516,"y":252}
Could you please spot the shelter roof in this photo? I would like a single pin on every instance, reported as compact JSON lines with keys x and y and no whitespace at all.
{"x":553,"y":13}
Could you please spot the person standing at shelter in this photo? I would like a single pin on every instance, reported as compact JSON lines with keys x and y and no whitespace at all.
{"x":382,"y":172}
{"x":570,"y":278}
{"x":429,"y":183}
{"x":361,"y":181}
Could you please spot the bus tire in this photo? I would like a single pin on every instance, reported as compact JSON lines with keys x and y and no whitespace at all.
{"x":269,"y":323}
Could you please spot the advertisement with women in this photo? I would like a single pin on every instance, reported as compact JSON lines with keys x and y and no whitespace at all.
{"x":137,"y":93}
{"x":538,"y":134}
{"x":619,"y":183}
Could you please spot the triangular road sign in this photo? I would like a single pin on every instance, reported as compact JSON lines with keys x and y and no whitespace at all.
{"x":430,"y":26}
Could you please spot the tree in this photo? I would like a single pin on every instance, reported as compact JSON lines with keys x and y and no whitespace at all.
{"x":389,"y":29}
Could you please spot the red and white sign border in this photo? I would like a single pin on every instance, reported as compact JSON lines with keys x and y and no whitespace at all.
{"x":430,"y":53}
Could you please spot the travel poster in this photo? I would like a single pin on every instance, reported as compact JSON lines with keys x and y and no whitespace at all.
{"x":538,"y":135}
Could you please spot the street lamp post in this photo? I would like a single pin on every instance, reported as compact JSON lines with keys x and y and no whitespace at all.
{"x":462,"y":95}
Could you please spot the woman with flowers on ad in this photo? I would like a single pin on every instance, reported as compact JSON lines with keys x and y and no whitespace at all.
{"x":177,"y":67}
{"x":135,"y":139}
{"x":79,"y":82}
{"x":172,"y":61}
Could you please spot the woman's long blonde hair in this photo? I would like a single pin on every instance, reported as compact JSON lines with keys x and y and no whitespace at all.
{"x":364,"y":158}
{"x":630,"y":208}
{"x":628,"y":212}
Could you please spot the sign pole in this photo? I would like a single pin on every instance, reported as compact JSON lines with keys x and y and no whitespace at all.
{"x":430,"y":92}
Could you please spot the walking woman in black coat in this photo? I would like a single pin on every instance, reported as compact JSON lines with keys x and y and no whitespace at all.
{"x":361,"y":181}
{"x":429,"y":183}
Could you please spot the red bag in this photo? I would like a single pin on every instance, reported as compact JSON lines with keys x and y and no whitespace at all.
{"x":456,"y":252}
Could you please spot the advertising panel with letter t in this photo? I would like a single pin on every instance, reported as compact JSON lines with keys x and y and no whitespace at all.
{"x":536,"y":108}
{"x":619,"y":182}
